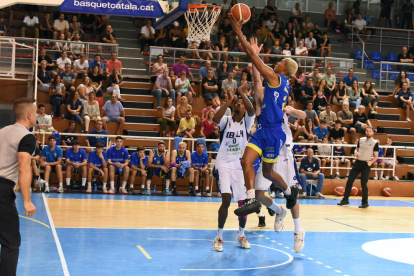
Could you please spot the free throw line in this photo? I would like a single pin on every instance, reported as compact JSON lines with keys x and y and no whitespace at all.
{"x":144,"y":252}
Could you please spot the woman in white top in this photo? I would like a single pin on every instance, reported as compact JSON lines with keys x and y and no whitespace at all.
{"x":61,"y":45}
{"x":85,"y":88}
{"x":183,"y":86}
{"x":80,"y":66}
{"x":158,"y":68}
{"x":91,"y":110}
{"x":167,"y":118}
{"x":324,"y":150}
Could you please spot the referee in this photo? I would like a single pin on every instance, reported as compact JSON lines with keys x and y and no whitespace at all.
{"x":16,"y":148}
{"x":366,"y":148}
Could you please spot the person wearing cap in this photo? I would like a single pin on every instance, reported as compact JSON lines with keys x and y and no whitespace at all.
{"x":175,"y":36}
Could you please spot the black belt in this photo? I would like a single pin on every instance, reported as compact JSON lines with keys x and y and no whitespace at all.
{"x":7,"y":181}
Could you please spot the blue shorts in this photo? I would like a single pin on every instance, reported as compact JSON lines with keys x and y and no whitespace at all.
{"x":268,"y":141}
{"x":160,"y":173}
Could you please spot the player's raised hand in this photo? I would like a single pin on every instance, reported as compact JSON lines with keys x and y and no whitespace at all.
{"x":243,"y":88}
{"x":237,"y":25}
{"x":253,"y":43}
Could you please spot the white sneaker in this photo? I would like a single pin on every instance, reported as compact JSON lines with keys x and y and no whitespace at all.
{"x":396,"y":178}
{"x":218,"y":194}
{"x":198,"y":194}
{"x":40,"y":182}
{"x":281,"y":195}
{"x":218,"y":245}
{"x":273,"y":195}
{"x":60,"y":190}
{"x":208,"y":193}
{"x":376,"y":177}
{"x":320,"y":195}
{"x":337,"y":176}
{"x":299,"y":238}
{"x":123,"y":191}
{"x":89,"y":190}
{"x":304,"y":194}
{"x":346,"y":176}
{"x":46,"y":190}
{"x":104,"y":190}
{"x":387,"y":178}
{"x":279,"y":219}
{"x":408,"y":120}
{"x":373,"y":112}
{"x":111,"y":191}
{"x":243,"y":242}
{"x":382,"y":178}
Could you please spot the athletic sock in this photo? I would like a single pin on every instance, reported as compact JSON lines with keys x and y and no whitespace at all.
{"x":83,"y":181}
{"x":276,"y":208}
{"x":219,"y":233}
{"x":68,"y":181}
{"x":89,"y":184}
{"x":61,"y":184}
{"x":123,"y":184}
{"x":104,"y":185}
{"x":382,"y":174}
{"x":142,"y":186}
{"x":251,"y":193}
{"x":260,"y":214}
{"x":46,"y":184}
{"x":376,"y":174}
{"x":173,"y":185}
{"x":167,"y":184}
{"x":296,"y":222}
{"x":287,"y":191}
{"x":131,"y":186}
{"x":196,"y":187}
{"x":112,"y":184}
{"x":148,"y":184}
{"x":37,"y":177}
{"x":241,"y":231}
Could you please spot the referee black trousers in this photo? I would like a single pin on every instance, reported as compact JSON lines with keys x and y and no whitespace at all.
{"x":357,"y":168}
{"x":9,"y":231}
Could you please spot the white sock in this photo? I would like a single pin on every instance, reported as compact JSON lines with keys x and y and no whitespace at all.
{"x":60,"y":184}
{"x":112,"y":184}
{"x":387,"y":177}
{"x":207,"y":189}
{"x":276,"y":208}
{"x":337,"y":173}
{"x":167,"y":184}
{"x":131,"y":186}
{"x":123,"y":184}
{"x":296,"y":222}
{"x":196,"y":187}
{"x":241,"y":231}
{"x":104,"y":185}
{"x":83,"y":181}
{"x":219,"y":233}
{"x":47,"y":184}
{"x":142,"y":186}
{"x":260,"y":214}
{"x":376,"y":174}
{"x":148,"y":184}
{"x":287,"y":191}
{"x":68,"y":181}
{"x":89,"y":184}
{"x":251,"y":193}
{"x":382,"y":174}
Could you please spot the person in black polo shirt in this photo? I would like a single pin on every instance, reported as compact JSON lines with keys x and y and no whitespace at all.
{"x":308,"y":91}
{"x":68,"y":139}
{"x":405,"y":100}
{"x":337,"y":132}
{"x":310,"y":169}
{"x":361,"y":121}
{"x":17,"y":147}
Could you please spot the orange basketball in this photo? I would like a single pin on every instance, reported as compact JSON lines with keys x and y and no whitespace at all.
{"x":241,"y":12}
{"x":339,"y":191}
{"x":354,"y":191}
{"x":387,"y":191}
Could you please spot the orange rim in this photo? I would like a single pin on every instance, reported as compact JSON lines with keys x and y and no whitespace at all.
{"x":197,"y":7}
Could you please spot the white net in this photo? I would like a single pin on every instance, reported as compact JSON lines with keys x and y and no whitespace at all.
{"x":200,"y":19}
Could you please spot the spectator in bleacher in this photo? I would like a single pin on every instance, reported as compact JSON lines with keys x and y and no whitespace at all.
{"x":46,"y":28}
{"x":226,"y":30}
{"x":310,"y":169}
{"x":404,"y":57}
{"x":74,"y":107}
{"x":315,"y":75}
{"x":289,"y":33}
{"x":186,"y":128}
{"x":337,"y":132}
{"x":339,"y":158}
{"x":271,"y":8}
{"x":113,"y":111}
{"x":321,"y":130}
{"x":299,"y":149}
{"x":371,"y":98}
{"x":183,"y":88}
{"x":75,"y":27}
{"x":222,"y":46}
{"x":311,"y":44}
{"x":178,"y":67}
{"x":348,"y":79}
{"x":44,"y":121}
{"x":277,"y":32}
{"x":76,"y":47}
{"x":108,"y":36}
{"x":330,"y":79}
{"x":323,"y":87}
{"x":324,"y":46}
{"x":96,"y":79}
{"x":61,"y":45}
{"x":340,"y":94}
{"x":357,"y":7}
{"x":319,"y":102}
{"x":354,"y":94}
{"x":49,"y":63}
{"x":85,"y":88}
{"x":97,"y":164}
{"x":307,"y":25}
{"x":207,"y":126}
{"x":229,"y":84}
{"x":399,"y":81}
{"x":298,"y":79}
{"x":167,"y":118}
{"x":118,"y":160}
{"x":60,"y":26}
{"x":405,"y":100}
{"x":328,"y":116}
{"x":207,"y":45}
{"x":51,"y":160}
{"x":102,"y":21}
{"x":175,"y":35}
{"x":158,"y":68}
{"x":68,"y":139}
{"x":31,"y":24}
{"x":287,"y":51}
{"x":97,"y":61}
{"x":147,"y":35}
{"x":43,"y":77}
{"x":62,"y":61}
{"x":161,"y":38}
{"x":308,"y":92}
{"x":81,"y":66}
{"x":210,"y":89}
{"x":368,"y":19}
{"x":57,"y":93}
{"x":163,"y":88}
{"x":139,"y":164}
{"x":330,"y":15}
{"x":3,"y":27}
{"x":115,"y":81}
{"x":88,"y":22}
{"x":264,"y":16}
{"x":346,"y":118}
{"x":276,"y":49}
{"x":296,"y":13}
{"x":203,"y":70}
{"x":361,"y":24}
{"x":249,"y":87}
{"x":389,"y":163}
{"x":199,"y":160}
{"x":223,"y":70}
{"x":91,"y":110}
{"x":361,"y":121}
{"x":407,"y":15}
{"x":324,"y":153}
{"x":270,"y":24}
{"x":207,"y":109}
{"x":91,"y":141}
{"x":308,"y":129}
{"x":68,"y":78}
{"x":386,"y":6}
{"x":301,"y":50}
{"x":76,"y":161}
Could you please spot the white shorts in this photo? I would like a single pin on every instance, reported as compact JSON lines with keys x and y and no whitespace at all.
{"x":389,"y":161}
{"x":284,"y":166}
{"x":230,"y":178}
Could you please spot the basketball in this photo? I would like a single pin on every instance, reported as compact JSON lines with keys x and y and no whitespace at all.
{"x":387,"y":191}
{"x":339,"y":191}
{"x":354,"y":191}
{"x":241,"y":12}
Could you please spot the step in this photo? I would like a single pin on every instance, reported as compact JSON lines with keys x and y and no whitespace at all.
{"x":396,"y":124}
{"x":142,"y":112}
{"x":384,"y":104}
{"x":139,"y":98}
{"x":133,"y":84}
{"x":393,"y":130}
{"x":141,"y":119}
{"x":404,"y":144}
{"x":139,"y":79}
{"x":402,"y":138}
{"x":143,"y":133}
{"x":406,"y":160}
{"x":389,"y":110}
{"x":143,"y":127}
{"x":385,"y":117}
{"x":135,"y":91}
{"x":144,"y":105}
{"x":405,"y":152}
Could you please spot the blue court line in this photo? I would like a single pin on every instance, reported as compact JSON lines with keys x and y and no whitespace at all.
{"x":346,"y":224}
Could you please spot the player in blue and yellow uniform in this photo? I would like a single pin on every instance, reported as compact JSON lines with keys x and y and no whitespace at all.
{"x":158,"y":165}
{"x":76,"y":160}
{"x":181,"y":167}
{"x":269,"y":137}
{"x":118,"y":160}
{"x":98,"y":164}
{"x":199,"y":159}
{"x":139,"y":163}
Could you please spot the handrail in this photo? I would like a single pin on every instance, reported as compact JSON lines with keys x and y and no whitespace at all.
{"x":388,"y":71}
{"x":363,"y":44}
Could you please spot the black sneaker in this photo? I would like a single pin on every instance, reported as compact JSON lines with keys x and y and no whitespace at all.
{"x":292,"y":198}
{"x":262,"y":221}
{"x":250,"y":205}
{"x":68,"y":189}
{"x":174,"y":192}
{"x":191,"y":193}
{"x":83,"y":190}
{"x":142,"y":192}
{"x":343,"y":202}
{"x":52,"y":114}
{"x":271,"y":212}
{"x":363,"y":205}
{"x":131,"y":191}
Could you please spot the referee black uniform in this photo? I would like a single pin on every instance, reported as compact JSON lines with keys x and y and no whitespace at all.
{"x":14,"y":139}
{"x":366,"y":148}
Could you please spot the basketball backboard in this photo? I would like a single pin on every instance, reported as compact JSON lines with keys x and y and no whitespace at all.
{"x":173,"y":9}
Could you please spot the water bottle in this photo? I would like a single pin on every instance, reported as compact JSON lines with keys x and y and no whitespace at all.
{"x":95,"y":188}
{"x":154,"y":189}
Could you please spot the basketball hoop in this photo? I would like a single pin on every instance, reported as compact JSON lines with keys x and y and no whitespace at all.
{"x":200,"y":20}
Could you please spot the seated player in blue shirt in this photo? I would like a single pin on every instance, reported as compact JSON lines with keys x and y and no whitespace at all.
{"x":379,"y":163}
{"x":51,"y":160}
{"x":158,"y":165}
{"x":118,"y":160}
{"x":177,"y":169}
{"x":321,"y":130}
{"x":199,"y":160}
{"x":98,"y":164}
{"x":76,"y":160}
{"x":299,"y":149}
{"x":339,"y":158}
{"x":138,"y":163}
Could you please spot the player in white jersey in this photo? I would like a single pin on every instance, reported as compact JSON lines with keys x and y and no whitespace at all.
{"x":234,"y":132}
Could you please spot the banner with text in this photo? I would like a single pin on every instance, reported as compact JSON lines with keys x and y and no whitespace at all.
{"x":133,"y":8}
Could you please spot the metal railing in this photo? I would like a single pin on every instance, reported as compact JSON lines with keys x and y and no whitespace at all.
{"x":364,"y":54}
{"x":398,"y":66}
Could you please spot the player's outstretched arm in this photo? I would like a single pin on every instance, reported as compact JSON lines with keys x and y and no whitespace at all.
{"x":300,"y":114}
{"x":257,"y":82}
{"x":220,"y":113}
{"x":247,"y":104}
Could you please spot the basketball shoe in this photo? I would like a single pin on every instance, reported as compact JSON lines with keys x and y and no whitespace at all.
{"x":299,"y":238}
{"x":292,"y":198}
{"x":279,"y":219}
{"x":243,"y":242}
{"x":218,"y":244}
{"x":250,"y":205}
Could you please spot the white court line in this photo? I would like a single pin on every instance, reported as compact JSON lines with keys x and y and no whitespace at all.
{"x":55,"y":236}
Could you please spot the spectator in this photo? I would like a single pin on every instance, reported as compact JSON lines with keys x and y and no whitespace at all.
{"x":346,"y":118}
{"x":222,"y":71}
{"x":85,"y":88}
{"x":248,"y":71}
{"x":43,"y":57}
{"x":307,"y":25}
{"x":357,"y":7}
{"x":60,"y":26}
{"x":323,"y":87}
{"x":139,"y":164}
{"x":339,"y":158}
{"x":206,"y":110}
{"x":209,"y":47}
{"x":91,"y":110}
{"x":68,"y":139}
{"x":389,"y":163}
{"x":183,"y":87}
{"x":324,"y":46}
{"x":223,"y":102}
{"x":361,"y":121}
{"x":299,"y":149}
{"x":51,"y":160}
{"x":203,"y":70}
{"x":337,"y":132}
{"x":330,"y":15}
{"x":354,"y":94}
{"x":61,"y":45}
{"x":74,"y":107}
{"x":276,"y":49}
{"x":310,"y":169}
{"x":271,"y":8}
{"x":56,"y":94}
{"x":229,"y":85}
{"x":43,"y":78}
{"x":311,"y":44}
{"x":115,"y":81}
{"x":287,"y":50}
{"x":316,"y":76}
{"x":407,"y":16}
{"x":167,"y":118}
{"x":44,"y":121}
{"x":379,"y":163}
{"x":81,"y":66}
{"x":361,"y":26}
{"x":46,"y":28}
{"x":319,"y":102}
{"x":371,"y":97}
{"x":330,"y":79}
{"x":31,"y":23}
{"x":297,"y":39}
{"x":223,"y":47}
{"x":200,"y":165}
{"x":324,"y":153}
{"x":175,"y":35}
{"x":62,"y":61}
{"x":112,"y":63}
{"x":404,"y":57}
{"x":186,"y":128}
{"x":108,"y":36}
{"x":308,"y":92}
{"x":249,"y":86}
{"x":226,"y":30}
{"x":68,"y":78}
{"x":161,"y":39}
{"x":289,"y":33}
{"x":92,"y":141}
{"x":214,"y":38}
{"x":328,"y":116}
{"x":181,"y":66}
{"x":163,"y":88}
{"x":207,"y":126}
{"x":75,"y":27}
{"x":76,"y":161}
{"x":113,"y":111}
{"x":270,"y":24}
{"x":296,"y":13}
{"x":88,"y":22}
{"x":296,"y":27}
{"x":308,"y":129}
{"x":313,"y":141}
{"x":96,"y":79}
{"x":277,"y":32}
{"x":385,"y":13}
{"x":158,"y":68}
{"x":298,"y":81}
{"x":321,"y":130}
{"x":37,"y":180}
{"x":97,"y":61}
{"x":405,"y":100}
{"x":348,"y":79}
{"x":399,"y":81}
{"x":118,"y":160}
{"x":210,"y":89}
{"x":340,"y":94}
{"x":301,"y":50}
{"x":97,"y":164}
